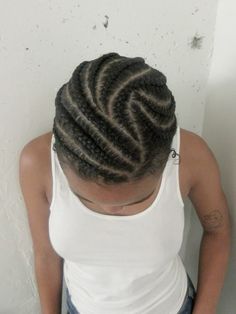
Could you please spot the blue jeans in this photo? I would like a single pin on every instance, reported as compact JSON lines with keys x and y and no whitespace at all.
{"x":189,"y":300}
{"x":186,"y":308}
{"x":71,"y":309}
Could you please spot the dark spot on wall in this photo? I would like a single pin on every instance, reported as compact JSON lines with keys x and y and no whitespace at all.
{"x":127,"y":42}
{"x":26,"y":48}
{"x":196,"y":10}
{"x":94,"y":26}
{"x":64,"y":20}
{"x":106,"y":23}
{"x":196,"y":42}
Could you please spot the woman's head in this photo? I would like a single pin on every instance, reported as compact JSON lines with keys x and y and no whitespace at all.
{"x":115,"y":120}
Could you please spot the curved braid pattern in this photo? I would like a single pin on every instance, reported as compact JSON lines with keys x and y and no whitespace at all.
{"x":115,"y":120}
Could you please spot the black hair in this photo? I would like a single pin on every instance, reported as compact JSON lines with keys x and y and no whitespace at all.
{"x":115,"y":120}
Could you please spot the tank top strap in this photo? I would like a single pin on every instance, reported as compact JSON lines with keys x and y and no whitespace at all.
{"x":173,"y":165}
{"x":59,"y":181}
{"x":176,"y":145}
{"x":53,"y":172}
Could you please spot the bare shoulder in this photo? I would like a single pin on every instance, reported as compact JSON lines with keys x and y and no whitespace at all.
{"x":197,"y":141}
{"x":37,"y":149}
{"x":36,"y":154}
{"x":38,"y":143}
{"x":197,"y":156}
{"x":194,"y":151}
{"x":194,"y":146}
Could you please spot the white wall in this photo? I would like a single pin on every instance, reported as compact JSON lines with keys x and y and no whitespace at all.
{"x":219,"y":127}
{"x":41,"y":42}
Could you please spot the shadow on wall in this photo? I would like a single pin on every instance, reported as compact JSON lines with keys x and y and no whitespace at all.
{"x":219,"y":132}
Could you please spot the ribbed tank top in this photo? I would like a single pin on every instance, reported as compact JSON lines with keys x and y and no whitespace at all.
{"x":121,"y":264}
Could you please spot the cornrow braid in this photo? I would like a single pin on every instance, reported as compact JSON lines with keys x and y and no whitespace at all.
{"x":115,"y":120}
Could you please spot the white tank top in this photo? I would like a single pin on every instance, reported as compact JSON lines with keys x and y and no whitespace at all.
{"x":121,"y":264}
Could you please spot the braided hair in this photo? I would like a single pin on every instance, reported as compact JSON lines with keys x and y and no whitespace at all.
{"x":115,"y":120}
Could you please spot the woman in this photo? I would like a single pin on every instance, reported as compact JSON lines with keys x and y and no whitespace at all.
{"x":115,"y":123}
{"x":112,"y":175}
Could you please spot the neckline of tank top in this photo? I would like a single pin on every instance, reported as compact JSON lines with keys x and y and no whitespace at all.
{"x":123,"y":217}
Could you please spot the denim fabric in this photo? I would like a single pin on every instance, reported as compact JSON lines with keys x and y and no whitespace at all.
{"x":71,"y":309}
{"x":186,"y":308}
{"x":189,"y":300}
